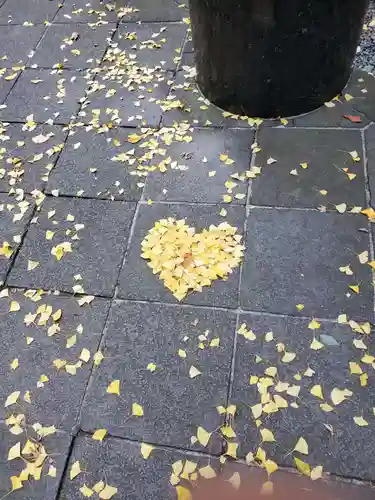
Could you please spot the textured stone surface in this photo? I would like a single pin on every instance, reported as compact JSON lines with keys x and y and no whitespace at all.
{"x":156,"y":44}
{"x":109,"y":460}
{"x":89,"y":167}
{"x":362,"y":88}
{"x":370,"y":146}
{"x":201,"y":156}
{"x":45,"y":99}
{"x":92,"y":11}
{"x":294,"y":257}
{"x":61,"y":39}
{"x":58,"y":401}
{"x":327,"y":154}
{"x":96,"y":254}
{"x":56,"y":445}
{"x":174,"y":404}
{"x":343,"y":447}
{"x":136,"y":279}
{"x":12,"y":229}
{"x":32,"y":11}
{"x":17,"y":42}
{"x":158,"y":10}
{"x":28,"y":174}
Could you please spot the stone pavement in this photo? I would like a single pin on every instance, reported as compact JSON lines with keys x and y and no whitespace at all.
{"x":104,"y":134}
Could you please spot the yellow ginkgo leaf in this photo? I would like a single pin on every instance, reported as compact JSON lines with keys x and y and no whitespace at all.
{"x":137,"y":410}
{"x":85,"y":355}
{"x":338,"y":395}
{"x":270,"y":466}
{"x":99,"y":434}
{"x":303,"y":467}
{"x":86,"y":491}
{"x":16,"y":483}
{"x":316,"y":345}
{"x":52,"y":471}
{"x":256,"y":410}
{"x":232,"y":450}
{"x":181,"y":353}
{"x":316,"y":472}
{"x":207,"y":472}
{"x":341,"y":208}
{"x":235,"y":480}
{"x":146,"y":450}
{"x":114,"y":387}
{"x":267,"y":435}
{"x":14,"y":306}
{"x":313,"y":325}
{"x":75,"y":470}
{"x":360,"y":421}
{"x":363,"y":257}
{"x":14,"y":364}
{"x":14,"y":451}
{"x":98,"y":486}
{"x":203,"y":436}
{"x":316,"y":391}
{"x":183,"y":493}
{"x":107,"y":492}
{"x":288,"y":357}
{"x":12,"y":398}
{"x":194,"y":372}
{"x":301,"y":446}
{"x":355,"y":369}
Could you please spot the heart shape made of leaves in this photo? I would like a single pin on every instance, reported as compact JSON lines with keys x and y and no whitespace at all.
{"x":187,"y":260}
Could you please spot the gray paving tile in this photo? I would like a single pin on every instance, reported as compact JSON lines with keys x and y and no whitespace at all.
{"x":154,"y":44}
{"x":73,"y":45}
{"x":174,"y":404}
{"x":21,"y":171}
{"x":333,"y":438}
{"x":87,"y":165}
{"x":137,"y":280}
{"x":56,"y":96}
{"x":14,"y":217}
{"x":362,"y":88}
{"x":59,"y":399}
{"x":32,"y":11}
{"x":57,"y":448}
{"x":5,"y":85}
{"x":92,"y":11}
{"x":17,"y":42}
{"x":159,"y":10}
{"x":294,"y":257}
{"x":120,"y":464}
{"x":326,"y":153}
{"x":137,"y":105}
{"x":201,"y":156}
{"x":370,"y":147}
{"x":97,"y":248}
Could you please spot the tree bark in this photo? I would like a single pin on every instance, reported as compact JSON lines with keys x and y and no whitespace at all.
{"x":274,"y":58}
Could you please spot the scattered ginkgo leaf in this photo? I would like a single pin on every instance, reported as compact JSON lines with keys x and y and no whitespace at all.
{"x":146,"y":450}
{"x":137,"y":410}
{"x":75,"y":470}
{"x":99,"y":434}
{"x":114,"y":387}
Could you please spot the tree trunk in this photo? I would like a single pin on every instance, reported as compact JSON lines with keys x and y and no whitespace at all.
{"x":273,"y":58}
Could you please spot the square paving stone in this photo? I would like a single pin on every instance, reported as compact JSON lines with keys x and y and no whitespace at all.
{"x":57,"y":96}
{"x":14,"y":217}
{"x":91,"y":11}
{"x":135,"y":106}
{"x":202,"y":157}
{"x":97,"y":248}
{"x":87,"y":165}
{"x":370,"y":147}
{"x":158,"y":10}
{"x":57,"y":446}
{"x":73,"y":45}
{"x":154,"y":44}
{"x":137,"y":280}
{"x":333,"y":438}
{"x":174,"y":404}
{"x":57,"y":401}
{"x":326,"y":153}
{"x":293,"y":257}
{"x":21,"y":170}
{"x":17,"y":42}
{"x":34,"y":11}
{"x":120,"y":464}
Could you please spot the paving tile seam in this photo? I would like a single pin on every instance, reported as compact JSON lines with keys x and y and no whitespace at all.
{"x":64,"y":474}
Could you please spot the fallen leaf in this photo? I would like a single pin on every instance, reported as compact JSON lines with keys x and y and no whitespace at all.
{"x":75,"y":470}
{"x":194,"y":372}
{"x":203,"y":436}
{"x":360,"y":421}
{"x":137,"y":410}
{"x":207,"y":472}
{"x":107,"y":492}
{"x":301,"y":446}
{"x":99,"y":434}
{"x":114,"y":387}
{"x":146,"y":450}
{"x":15,"y":451}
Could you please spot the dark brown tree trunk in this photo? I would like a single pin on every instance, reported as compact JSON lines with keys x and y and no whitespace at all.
{"x":274,"y":58}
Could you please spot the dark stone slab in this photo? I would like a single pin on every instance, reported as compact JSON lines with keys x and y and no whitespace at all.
{"x":33,"y":11}
{"x":86,"y":165}
{"x":288,"y":484}
{"x":327,"y":154}
{"x":21,"y":149}
{"x":333,"y":438}
{"x":17,"y":42}
{"x":174,"y":404}
{"x":59,"y":400}
{"x":14,"y":217}
{"x":362,"y":88}
{"x":5,"y":86}
{"x":370,"y":147}
{"x":92,"y":11}
{"x":294,"y":257}
{"x":135,"y":106}
{"x":96,"y":254}
{"x":46,"y":99}
{"x":136,"y":279}
{"x":202,"y":156}
{"x":157,"y":11}
{"x":60,"y":42}
{"x":56,"y":445}
{"x":154,"y":42}
{"x":120,"y":464}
